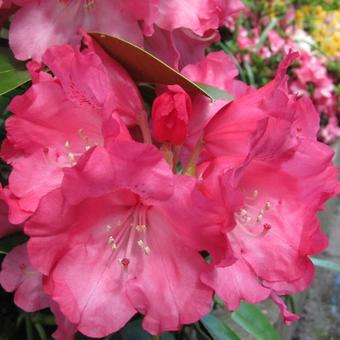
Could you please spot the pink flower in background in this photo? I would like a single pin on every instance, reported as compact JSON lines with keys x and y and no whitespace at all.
{"x":124,"y":231}
{"x":176,"y":24}
{"x":84,"y":92}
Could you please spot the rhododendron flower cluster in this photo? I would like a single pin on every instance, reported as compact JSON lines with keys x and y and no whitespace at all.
{"x":152,"y":199}
{"x":126,"y":204}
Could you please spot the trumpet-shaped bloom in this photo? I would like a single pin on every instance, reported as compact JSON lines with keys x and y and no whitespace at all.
{"x":275,"y":230}
{"x":124,"y":231}
{"x":61,"y":117}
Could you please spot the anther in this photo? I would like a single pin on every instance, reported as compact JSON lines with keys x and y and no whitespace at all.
{"x":145,"y":248}
{"x":67,"y":144}
{"x":71,"y":156}
{"x":112,"y":243}
{"x":259,"y":217}
{"x":267,"y":205}
{"x":141,"y":227}
{"x":109,"y":227}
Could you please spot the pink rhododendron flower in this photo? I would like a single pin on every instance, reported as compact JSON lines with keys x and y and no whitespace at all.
{"x":189,"y":26}
{"x":112,"y":235}
{"x":271,"y":256}
{"x":87,"y":93}
{"x":17,"y":275}
{"x":170,"y":115}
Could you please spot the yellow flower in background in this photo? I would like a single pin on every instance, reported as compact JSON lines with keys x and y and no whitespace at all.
{"x":324,"y":27}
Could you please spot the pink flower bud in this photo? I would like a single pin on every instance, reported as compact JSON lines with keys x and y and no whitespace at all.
{"x":170,"y":115}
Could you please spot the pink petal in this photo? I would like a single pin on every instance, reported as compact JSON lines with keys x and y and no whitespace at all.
{"x":236,"y":283}
{"x":288,"y":317}
{"x":184,"y":298}
{"x":18,"y":275}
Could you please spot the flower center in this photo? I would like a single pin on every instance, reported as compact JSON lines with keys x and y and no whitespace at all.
{"x":250,"y":219}
{"x":72,"y":156}
{"x":129,"y":237}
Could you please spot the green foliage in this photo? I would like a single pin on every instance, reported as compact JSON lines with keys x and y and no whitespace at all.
{"x":326,"y":264}
{"x":12,"y":72}
{"x":218,"y":329}
{"x":254,"y":322}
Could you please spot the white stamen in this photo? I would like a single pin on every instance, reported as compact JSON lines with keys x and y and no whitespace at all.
{"x":71,"y":156}
{"x":259,"y":217}
{"x":109,"y":227}
{"x":67,"y":144}
{"x":112,"y":243}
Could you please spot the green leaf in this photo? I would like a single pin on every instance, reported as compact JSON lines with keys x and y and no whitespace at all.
{"x":12,"y":72}
{"x":217,"y":329}
{"x":264,"y":34}
{"x":254,"y":322}
{"x":250,"y":73}
{"x":326,"y":264}
{"x":145,"y":67}
{"x":214,"y":92}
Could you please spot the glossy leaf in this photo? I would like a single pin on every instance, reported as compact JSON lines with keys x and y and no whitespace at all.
{"x":326,"y":264}
{"x":217,"y":329}
{"x":145,"y":67}
{"x":12,"y":72}
{"x":254,"y":322}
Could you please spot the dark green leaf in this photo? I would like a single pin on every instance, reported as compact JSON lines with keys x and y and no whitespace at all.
{"x":10,"y":241}
{"x":326,"y":264}
{"x":142,"y":65}
{"x":133,"y":330}
{"x":254,"y":322}
{"x":12,"y":72}
{"x":217,"y":329}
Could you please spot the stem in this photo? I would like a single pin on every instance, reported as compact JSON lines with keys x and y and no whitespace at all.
{"x":29,"y":328}
{"x":190,"y":167}
{"x":142,"y":119}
